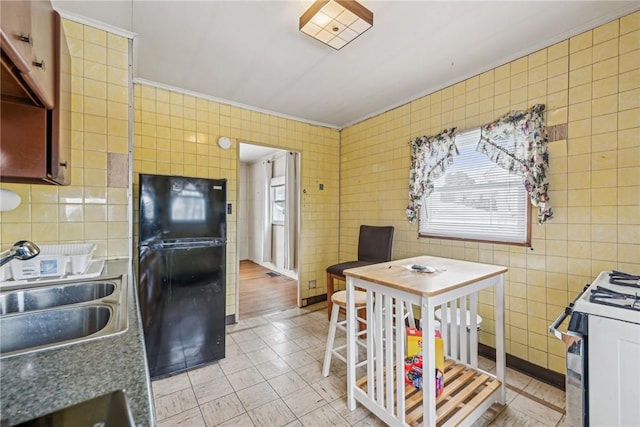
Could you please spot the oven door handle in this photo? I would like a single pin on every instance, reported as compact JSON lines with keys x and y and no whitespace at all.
{"x":568,"y":338}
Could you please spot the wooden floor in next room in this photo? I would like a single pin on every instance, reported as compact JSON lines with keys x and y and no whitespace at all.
{"x":261,"y":293}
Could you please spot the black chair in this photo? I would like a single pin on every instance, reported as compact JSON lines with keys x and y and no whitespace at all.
{"x":374,"y":246}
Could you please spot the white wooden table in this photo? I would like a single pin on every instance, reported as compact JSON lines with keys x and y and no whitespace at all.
{"x":468,"y":391}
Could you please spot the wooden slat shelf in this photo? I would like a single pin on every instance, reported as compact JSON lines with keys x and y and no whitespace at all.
{"x":464,"y":390}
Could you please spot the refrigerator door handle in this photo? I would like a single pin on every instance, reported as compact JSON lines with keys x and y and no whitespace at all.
{"x":200,"y":243}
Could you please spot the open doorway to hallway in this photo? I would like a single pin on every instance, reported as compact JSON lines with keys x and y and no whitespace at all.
{"x":263,"y":291}
{"x":268,"y":229}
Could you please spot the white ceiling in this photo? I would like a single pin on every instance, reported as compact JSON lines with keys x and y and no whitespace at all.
{"x":250,"y":153}
{"x":250,"y":53}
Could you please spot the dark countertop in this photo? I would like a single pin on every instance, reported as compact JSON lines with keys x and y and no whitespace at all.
{"x":35,"y":384}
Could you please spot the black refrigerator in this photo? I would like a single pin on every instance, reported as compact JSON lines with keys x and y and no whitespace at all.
{"x":181,"y":287}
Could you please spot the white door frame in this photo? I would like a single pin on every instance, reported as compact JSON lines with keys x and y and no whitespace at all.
{"x":299,"y":222}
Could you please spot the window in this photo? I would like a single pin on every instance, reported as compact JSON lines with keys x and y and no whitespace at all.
{"x":475,"y":199}
{"x":277,"y":200}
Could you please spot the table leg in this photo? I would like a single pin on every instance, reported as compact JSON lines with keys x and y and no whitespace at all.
{"x":351,"y":345}
{"x":429,"y":363}
{"x":500,"y":356}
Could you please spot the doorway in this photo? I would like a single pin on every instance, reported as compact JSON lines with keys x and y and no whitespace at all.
{"x":263,"y":291}
{"x":268,"y":229}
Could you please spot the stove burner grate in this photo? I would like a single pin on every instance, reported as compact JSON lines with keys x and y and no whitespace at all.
{"x":609,"y":297}
{"x":624,"y":279}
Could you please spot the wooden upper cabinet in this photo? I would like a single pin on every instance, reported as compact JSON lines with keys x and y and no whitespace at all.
{"x":60,"y":120}
{"x":24,"y":149}
{"x":15,"y":19}
{"x":27,"y":29}
{"x":35,"y":110}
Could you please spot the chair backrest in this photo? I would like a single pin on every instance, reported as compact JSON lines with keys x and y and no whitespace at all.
{"x":374,"y":243}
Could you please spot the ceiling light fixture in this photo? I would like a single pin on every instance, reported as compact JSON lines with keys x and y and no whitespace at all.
{"x":336,"y":22}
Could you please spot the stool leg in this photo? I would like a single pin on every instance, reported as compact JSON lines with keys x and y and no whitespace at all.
{"x":410,"y":318}
{"x":330,"y":290}
{"x":330,"y":339}
{"x":362,"y":325}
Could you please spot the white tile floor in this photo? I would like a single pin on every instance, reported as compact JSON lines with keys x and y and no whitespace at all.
{"x":271,"y":376}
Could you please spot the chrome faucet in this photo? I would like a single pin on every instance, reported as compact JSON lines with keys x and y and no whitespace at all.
{"x":23,"y":250}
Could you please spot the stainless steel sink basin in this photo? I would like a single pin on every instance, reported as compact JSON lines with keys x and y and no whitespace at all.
{"x":51,"y":296}
{"x":41,"y":328}
{"x":46,"y":317}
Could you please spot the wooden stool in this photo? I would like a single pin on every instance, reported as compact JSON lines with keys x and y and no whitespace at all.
{"x":408,"y":314}
{"x":339,"y":300}
{"x":331,"y":289}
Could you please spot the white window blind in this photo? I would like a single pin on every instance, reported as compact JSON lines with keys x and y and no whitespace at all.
{"x":476,"y":199}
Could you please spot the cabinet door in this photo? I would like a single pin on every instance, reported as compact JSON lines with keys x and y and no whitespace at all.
{"x":60,"y":161}
{"x":614,"y":372}
{"x":15,"y":18}
{"x":36,"y":142}
{"x":41,"y":75}
{"x":28,"y":40}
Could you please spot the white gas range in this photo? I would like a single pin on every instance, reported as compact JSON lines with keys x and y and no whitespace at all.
{"x":603,"y":352}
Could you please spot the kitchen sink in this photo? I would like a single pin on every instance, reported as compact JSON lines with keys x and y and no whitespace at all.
{"x":110,"y":410}
{"x":51,"y":296}
{"x":47,"y":317}
{"x":41,"y":328}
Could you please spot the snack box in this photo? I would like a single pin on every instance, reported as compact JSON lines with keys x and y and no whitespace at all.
{"x":413,"y":361}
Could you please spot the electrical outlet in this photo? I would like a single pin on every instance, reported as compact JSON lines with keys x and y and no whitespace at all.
{"x":321,"y":186}
{"x":312,"y":284}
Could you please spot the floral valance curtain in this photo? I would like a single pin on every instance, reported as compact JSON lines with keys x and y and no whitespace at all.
{"x":518,"y":143}
{"x":430,"y":155}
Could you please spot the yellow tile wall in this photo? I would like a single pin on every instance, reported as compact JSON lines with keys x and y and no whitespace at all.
{"x":89,"y":209}
{"x":591,"y":82}
{"x":177,"y":134}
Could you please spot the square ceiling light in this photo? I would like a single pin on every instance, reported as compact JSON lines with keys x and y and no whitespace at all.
{"x":336,"y":22}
